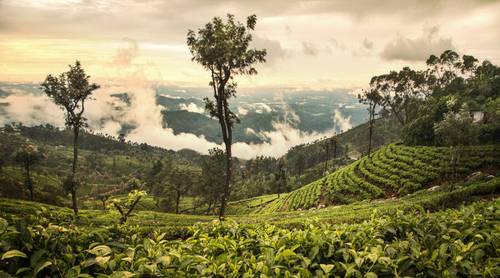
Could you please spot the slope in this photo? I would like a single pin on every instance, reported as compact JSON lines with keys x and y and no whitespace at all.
{"x":394,"y":170}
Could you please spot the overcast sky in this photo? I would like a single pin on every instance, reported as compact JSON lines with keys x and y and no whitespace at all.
{"x":311,"y":44}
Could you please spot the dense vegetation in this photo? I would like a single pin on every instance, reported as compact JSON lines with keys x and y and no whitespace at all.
{"x":448,"y":243}
{"x":394,"y":170}
{"x":107,"y":163}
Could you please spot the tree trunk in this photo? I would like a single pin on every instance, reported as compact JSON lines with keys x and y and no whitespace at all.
{"x":279,"y":183}
{"x":177,"y":201}
{"x":222,"y":211}
{"x":279,"y":186}
{"x":327,"y":157}
{"x":370,"y":126}
{"x":74,"y":201}
{"x":29,"y":183}
{"x":73,"y":174}
{"x":209,"y":207}
{"x":334,"y":153}
{"x":370,"y":134}
{"x":124,"y":216}
{"x":454,"y":158}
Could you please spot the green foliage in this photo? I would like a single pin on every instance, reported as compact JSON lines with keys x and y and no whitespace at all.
{"x":70,"y":90}
{"x":223,"y":49}
{"x":458,"y":242}
{"x":449,"y":84}
{"x":457,"y":129}
{"x":394,"y":170}
{"x":125,"y":208}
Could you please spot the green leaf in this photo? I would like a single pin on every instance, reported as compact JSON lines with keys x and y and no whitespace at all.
{"x":13,"y":254}
{"x":5,"y":274}
{"x":3,"y":225}
{"x":371,"y":275}
{"x":100,"y":250}
{"x":327,"y":268}
{"x":121,"y":274}
{"x":442,"y":249}
{"x":40,"y":266}
{"x":102,"y":261}
{"x":20,"y":271}
{"x":73,"y":272}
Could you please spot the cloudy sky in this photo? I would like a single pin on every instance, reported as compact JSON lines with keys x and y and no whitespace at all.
{"x":311,"y":44}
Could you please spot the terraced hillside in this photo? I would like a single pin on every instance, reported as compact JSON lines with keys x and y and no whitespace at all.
{"x":394,"y":170}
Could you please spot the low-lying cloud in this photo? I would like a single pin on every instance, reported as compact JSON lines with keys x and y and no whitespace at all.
{"x":341,"y":123}
{"x":192,"y":107}
{"x":279,"y":141}
{"x":30,"y":110}
{"x":108,"y":114}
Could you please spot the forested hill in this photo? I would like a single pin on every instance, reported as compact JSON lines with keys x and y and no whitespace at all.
{"x":54,"y":136}
{"x":107,"y":164}
{"x":352,"y":143}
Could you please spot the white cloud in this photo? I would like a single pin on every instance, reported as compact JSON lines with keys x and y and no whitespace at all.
{"x":368,"y":44}
{"x":417,"y":49}
{"x":261,"y":107}
{"x":192,"y":107}
{"x":309,"y":49}
{"x":341,"y":123}
{"x":242,"y":111}
{"x":31,"y":110}
{"x":125,"y":55}
{"x":280,"y":140}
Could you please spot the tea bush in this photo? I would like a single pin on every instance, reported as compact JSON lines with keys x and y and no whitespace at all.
{"x":457,"y":242}
{"x":394,"y":170}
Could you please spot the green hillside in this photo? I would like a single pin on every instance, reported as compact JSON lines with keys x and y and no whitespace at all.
{"x":399,"y":237}
{"x":306,"y":161}
{"x":394,"y":170}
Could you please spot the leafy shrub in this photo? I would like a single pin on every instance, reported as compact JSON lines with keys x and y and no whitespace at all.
{"x":459,"y":242}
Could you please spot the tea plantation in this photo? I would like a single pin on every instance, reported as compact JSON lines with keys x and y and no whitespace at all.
{"x":394,"y":170}
{"x":393,"y":214}
{"x":407,"y":236}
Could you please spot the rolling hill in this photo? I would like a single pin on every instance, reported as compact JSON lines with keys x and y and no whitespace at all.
{"x":393,"y":171}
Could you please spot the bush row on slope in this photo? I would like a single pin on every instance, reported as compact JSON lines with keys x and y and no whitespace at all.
{"x":394,"y":170}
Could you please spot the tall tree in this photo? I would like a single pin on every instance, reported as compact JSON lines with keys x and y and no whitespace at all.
{"x":326,"y":146}
{"x":70,"y":90}
{"x":180,"y":183}
{"x":28,"y":155}
{"x":400,"y":92}
{"x":300,"y":163}
{"x":281,"y":176}
{"x":211,"y":187}
{"x":370,"y":98}
{"x":457,"y":130}
{"x":223,"y":48}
